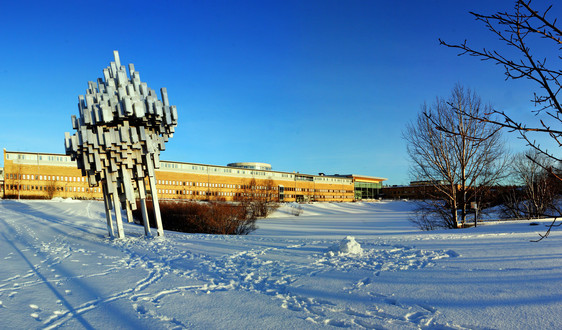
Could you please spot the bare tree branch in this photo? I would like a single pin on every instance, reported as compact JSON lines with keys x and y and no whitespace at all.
{"x":549,"y":228}
{"x":457,"y":155}
{"x":518,"y":30}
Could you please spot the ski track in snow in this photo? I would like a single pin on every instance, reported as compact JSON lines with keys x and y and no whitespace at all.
{"x":279,"y":271}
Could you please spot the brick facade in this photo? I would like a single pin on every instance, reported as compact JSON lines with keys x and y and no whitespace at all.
{"x":43,"y":175}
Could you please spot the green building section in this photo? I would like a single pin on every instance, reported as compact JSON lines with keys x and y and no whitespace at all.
{"x":367,"y":190}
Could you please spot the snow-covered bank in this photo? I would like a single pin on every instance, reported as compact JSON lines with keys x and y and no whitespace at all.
{"x":59,"y":270}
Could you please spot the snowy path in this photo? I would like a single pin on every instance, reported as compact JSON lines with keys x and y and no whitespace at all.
{"x":59,"y":270}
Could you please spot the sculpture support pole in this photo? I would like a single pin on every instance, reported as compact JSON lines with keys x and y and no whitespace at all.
{"x":129,"y":213}
{"x":142,"y":195}
{"x":128,"y":192}
{"x":118,"y":218}
{"x":156,"y":207}
{"x":107,"y":204}
{"x":112,"y":190}
{"x":152,"y":182}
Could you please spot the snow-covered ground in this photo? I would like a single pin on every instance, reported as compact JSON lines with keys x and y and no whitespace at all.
{"x":58,"y":269}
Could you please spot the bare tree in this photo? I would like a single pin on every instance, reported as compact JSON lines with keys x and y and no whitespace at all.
{"x":270,"y":191}
{"x":537,"y":188}
{"x":519,"y":30}
{"x":15,"y":179}
{"x":456,"y":154}
{"x":51,"y":188}
{"x":246,"y":196}
{"x":258,"y":199}
{"x":270,"y":197}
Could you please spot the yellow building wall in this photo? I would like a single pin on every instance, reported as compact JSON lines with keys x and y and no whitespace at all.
{"x":36,"y":175}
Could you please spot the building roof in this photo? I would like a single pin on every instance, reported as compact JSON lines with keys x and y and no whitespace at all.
{"x":164,"y":167}
{"x":362,"y":178}
{"x":251,"y":165}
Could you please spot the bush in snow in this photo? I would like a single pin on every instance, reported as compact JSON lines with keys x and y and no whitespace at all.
{"x":202,"y":217}
{"x":296,"y":210}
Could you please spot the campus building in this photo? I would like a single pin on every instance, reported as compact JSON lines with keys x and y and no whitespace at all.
{"x":46,"y":175}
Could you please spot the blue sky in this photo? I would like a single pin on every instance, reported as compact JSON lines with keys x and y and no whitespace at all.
{"x":308,"y":86}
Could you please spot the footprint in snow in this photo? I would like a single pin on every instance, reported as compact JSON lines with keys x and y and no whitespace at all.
{"x":416,"y":317}
{"x":35,"y":314}
{"x":140,"y":309}
{"x":452,"y":253}
{"x":392,"y":301}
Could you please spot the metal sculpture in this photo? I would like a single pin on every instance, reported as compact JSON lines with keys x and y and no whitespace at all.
{"x":121,"y":129}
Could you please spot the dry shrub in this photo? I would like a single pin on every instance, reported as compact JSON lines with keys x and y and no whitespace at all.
{"x":296,"y":210}
{"x":201,"y":217}
{"x":258,"y":199}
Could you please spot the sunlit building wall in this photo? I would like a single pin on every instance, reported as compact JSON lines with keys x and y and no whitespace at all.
{"x":45,"y":175}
